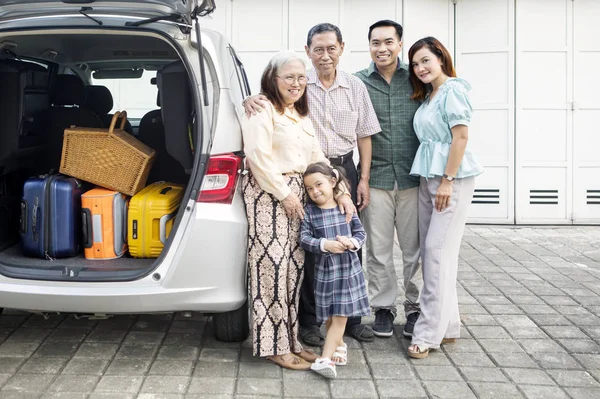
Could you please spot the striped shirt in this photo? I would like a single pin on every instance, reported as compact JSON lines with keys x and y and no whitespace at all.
{"x":341,"y":114}
{"x":395,"y":147}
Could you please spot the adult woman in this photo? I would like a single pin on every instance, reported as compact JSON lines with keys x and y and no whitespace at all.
{"x":447,"y":171}
{"x":279,"y":143}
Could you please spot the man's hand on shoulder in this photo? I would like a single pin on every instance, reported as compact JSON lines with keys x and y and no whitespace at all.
{"x":254,"y":104}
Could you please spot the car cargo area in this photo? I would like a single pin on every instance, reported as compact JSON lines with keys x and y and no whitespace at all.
{"x":56,"y":80}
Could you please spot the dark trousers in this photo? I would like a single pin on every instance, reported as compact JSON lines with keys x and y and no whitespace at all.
{"x":306,"y":312}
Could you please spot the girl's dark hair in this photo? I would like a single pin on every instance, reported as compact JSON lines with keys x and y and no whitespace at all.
{"x":268,"y":83}
{"x":326,"y":170}
{"x":420,"y":89}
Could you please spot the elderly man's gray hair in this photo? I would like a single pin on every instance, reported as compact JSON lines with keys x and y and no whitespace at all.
{"x":323,"y":28}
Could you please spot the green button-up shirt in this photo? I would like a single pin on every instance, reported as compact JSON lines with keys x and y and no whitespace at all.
{"x":394,"y":148}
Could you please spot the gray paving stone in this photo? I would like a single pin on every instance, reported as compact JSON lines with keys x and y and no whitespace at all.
{"x":172,"y":367}
{"x":538,"y":309}
{"x":11,"y":364}
{"x":559,"y":300}
{"x":550,"y":319}
{"x":179,"y":339}
{"x":388,"y":357}
{"x":447,"y":389}
{"x":17,"y":349}
{"x":352,"y":389}
{"x":527,"y":332}
{"x":137,"y":351}
{"x":259,"y":386}
{"x":583,"y":393}
{"x":119,"y":384}
{"x":166,"y":384}
{"x":220,"y":355}
{"x":519,"y":360}
{"x":160,"y":396}
{"x":482,"y":332}
{"x":520,"y":299}
{"x":213,"y":385}
{"x":471,"y":359}
{"x":68,"y":334}
{"x":27,"y":383}
{"x":354,"y":372}
{"x":503,"y":309}
{"x":438,"y":373}
{"x":571,"y":378}
{"x":206,"y":369}
{"x":556,"y":361}
{"x":495,"y":390}
{"x":31,"y":335}
{"x":298,"y":389}
{"x":479,"y":320}
{"x":65,"y":395}
{"x":106,"y":336}
{"x":74,"y":383}
{"x":97,"y":350}
{"x":580,"y":345}
{"x":19,"y":395}
{"x":259,"y":370}
{"x":44,"y":365}
{"x":543,"y":392}
{"x":540,"y":345}
{"x":385,"y":372}
{"x":500,"y":346}
{"x":86,"y":366}
{"x":462,"y":346}
{"x":529,"y":376}
{"x":144,"y":338}
{"x":127,"y":367}
{"x":564,"y":332}
{"x":483,"y":374}
{"x":113,"y":395}
{"x":590,"y":362}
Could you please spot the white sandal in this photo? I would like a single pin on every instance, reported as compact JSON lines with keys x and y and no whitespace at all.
{"x":341,"y":353}
{"x":325,"y":367}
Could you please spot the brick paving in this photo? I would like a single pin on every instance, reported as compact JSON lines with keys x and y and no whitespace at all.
{"x":530,"y":304}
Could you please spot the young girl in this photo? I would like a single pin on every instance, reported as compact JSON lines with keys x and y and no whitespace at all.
{"x":340,"y":290}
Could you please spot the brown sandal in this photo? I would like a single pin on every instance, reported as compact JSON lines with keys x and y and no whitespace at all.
{"x":416,"y":352}
{"x":289,"y":361}
{"x":307,"y":355}
{"x":448,"y":341}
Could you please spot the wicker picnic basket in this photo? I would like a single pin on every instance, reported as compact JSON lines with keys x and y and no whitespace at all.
{"x":110,"y":158}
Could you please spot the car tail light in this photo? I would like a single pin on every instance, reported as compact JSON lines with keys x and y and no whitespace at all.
{"x":220,"y":179}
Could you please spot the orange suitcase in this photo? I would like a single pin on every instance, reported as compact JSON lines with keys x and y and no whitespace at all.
{"x":104,"y":221}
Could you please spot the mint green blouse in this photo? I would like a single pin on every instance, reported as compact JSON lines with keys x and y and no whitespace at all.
{"x":432,"y":123}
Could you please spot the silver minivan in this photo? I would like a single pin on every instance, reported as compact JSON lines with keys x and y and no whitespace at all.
{"x":46,"y":48}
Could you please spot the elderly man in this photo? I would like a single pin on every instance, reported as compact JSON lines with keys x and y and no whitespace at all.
{"x":344,"y":119}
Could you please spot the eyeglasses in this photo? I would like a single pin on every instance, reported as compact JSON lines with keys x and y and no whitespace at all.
{"x":291,"y":79}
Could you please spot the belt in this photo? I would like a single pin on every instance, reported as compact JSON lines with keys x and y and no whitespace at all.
{"x":342,"y":159}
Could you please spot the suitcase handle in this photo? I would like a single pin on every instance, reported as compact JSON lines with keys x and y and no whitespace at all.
{"x":86,"y":224}
{"x":162,"y":233}
{"x":34,"y":217}
{"x":125,"y":210}
{"x":165,"y":190}
{"x":23,"y":218}
{"x":118,"y":115}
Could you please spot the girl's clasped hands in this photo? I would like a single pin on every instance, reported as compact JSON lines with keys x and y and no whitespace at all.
{"x":339,"y":245}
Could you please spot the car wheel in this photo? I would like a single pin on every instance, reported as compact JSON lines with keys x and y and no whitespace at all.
{"x":232,"y":326}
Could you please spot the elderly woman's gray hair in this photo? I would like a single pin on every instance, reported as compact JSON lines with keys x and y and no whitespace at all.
{"x":268,"y":82}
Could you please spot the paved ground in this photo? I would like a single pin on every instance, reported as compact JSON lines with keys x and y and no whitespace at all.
{"x":530,"y":302}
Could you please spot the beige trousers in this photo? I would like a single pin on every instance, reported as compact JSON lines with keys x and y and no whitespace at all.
{"x":440,"y":237}
{"x":389,"y":210}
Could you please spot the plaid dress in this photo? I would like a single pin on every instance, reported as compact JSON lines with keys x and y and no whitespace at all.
{"x":340,"y":288}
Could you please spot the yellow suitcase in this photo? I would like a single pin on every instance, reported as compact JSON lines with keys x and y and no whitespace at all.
{"x":150,"y":218}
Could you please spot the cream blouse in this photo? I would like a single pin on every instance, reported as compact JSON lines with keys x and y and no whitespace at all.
{"x":277,"y":144}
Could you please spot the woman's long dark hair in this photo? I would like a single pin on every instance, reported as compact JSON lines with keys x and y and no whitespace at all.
{"x":420,"y":89}
{"x":268,"y":83}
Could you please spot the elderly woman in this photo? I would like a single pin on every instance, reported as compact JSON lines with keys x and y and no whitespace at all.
{"x":279,"y":143}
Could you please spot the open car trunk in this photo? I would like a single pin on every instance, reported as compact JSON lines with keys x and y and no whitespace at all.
{"x":43,"y":75}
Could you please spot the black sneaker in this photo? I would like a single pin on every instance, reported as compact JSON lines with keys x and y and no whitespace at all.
{"x":384,"y":323}
{"x":409,"y":327}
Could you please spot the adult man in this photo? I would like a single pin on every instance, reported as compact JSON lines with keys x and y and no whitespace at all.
{"x":394,"y":193}
{"x":344,"y":119}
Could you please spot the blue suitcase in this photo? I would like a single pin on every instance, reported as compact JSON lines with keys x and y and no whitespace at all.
{"x":51,"y":216}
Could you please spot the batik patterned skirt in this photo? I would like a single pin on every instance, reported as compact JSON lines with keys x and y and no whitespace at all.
{"x":276,"y":268}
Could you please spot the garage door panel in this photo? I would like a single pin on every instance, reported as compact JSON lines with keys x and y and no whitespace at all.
{"x":587,"y":27}
{"x":586,"y":206}
{"x":586,"y":141}
{"x":488,"y":24}
{"x":487,"y":136}
{"x":358,"y":18}
{"x":303,"y":16}
{"x":490,"y":200}
{"x":543,"y":25}
{"x":249,"y":18}
{"x":254,"y":64}
{"x":437,"y":22}
{"x":587,"y":84}
{"x":543,"y":79}
{"x":478,"y":68}
{"x":543,"y":137}
{"x":545,"y":198}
